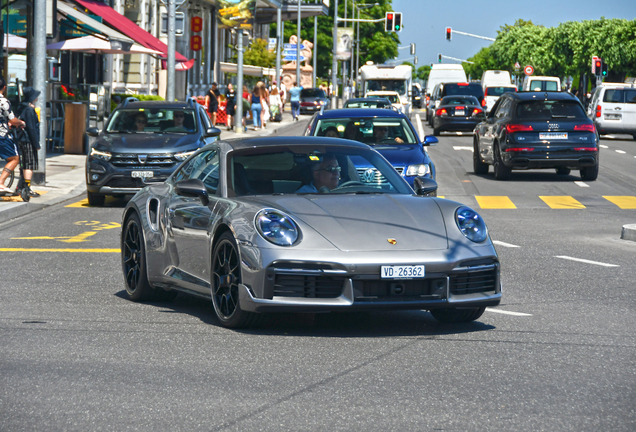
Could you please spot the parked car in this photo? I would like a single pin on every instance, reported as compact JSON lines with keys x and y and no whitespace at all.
{"x":541,"y":83}
{"x":416,"y":97}
{"x":457,"y":113}
{"x":613,"y":109}
{"x":144,"y":141}
{"x":230,"y":226}
{"x":528,"y":130}
{"x":312,"y":100}
{"x":392,"y":96}
{"x":454,"y":89}
{"x":370,"y":102}
{"x":389,"y":132}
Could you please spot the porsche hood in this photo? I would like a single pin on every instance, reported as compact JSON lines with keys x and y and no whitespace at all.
{"x":376,"y":222}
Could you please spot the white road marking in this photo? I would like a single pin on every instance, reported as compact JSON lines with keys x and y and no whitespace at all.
{"x":620,"y":151}
{"x":504,"y":244}
{"x":462,"y":148}
{"x":420,"y":129}
{"x":507,"y":312}
{"x":586,"y":261}
{"x":603,"y":146}
{"x":580,"y":183}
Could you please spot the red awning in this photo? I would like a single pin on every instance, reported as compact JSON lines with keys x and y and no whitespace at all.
{"x":127,"y":27}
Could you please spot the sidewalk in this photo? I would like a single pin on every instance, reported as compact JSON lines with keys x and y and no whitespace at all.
{"x":65,"y":177}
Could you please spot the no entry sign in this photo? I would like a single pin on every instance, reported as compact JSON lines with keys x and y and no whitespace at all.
{"x":528,"y":70}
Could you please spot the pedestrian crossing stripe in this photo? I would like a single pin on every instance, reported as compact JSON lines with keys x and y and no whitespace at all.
{"x":554,"y":202}
{"x":495,"y":202}
{"x":624,"y":202}
{"x":562,"y":202}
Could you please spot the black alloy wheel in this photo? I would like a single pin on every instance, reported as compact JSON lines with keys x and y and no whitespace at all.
{"x":226,"y":277}
{"x":133,"y":259}
{"x":502,"y":172}
{"x":479,"y":166}
{"x":452,"y":315}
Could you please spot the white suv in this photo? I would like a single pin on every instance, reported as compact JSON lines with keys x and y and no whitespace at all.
{"x":613,"y":109}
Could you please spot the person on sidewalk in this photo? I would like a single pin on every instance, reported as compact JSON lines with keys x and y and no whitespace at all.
{"x":212,"y":101}
{"x":8,"y":149}
{"x":230,"y":97}
{"x":264,"y":103}
{"x":247,"y":105}
{"x":256,"y":107}
{"x":275,"y":105}
{"x":283,"y":97}
{"x":294,"y":94}
{"x":30,"y":143}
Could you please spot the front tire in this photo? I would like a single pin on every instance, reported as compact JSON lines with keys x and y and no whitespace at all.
{"x":453,"y":315}
{"x":95,"y":200}
{"x":226,"y":277}
{"x":479,"y":166}
{"x":589,"y":173}
{"x":133,"y":259}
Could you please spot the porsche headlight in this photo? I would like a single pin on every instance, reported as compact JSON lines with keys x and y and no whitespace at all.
{"x":183,"y":155}
{"x":277,"y":227}
{"x":418,"y":170}
{"x":103,"y":155}
{"x":471,"y":224}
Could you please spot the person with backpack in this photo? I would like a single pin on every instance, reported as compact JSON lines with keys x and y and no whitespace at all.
{"x":29,"y":139}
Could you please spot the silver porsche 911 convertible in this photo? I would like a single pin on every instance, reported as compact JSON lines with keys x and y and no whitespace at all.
{"x":286,"y":224}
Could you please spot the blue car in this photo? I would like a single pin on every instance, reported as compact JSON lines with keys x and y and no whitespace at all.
{"x":389,"y":132}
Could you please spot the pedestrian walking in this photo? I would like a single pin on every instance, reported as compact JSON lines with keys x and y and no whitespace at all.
{"x":29,"y":138}
{"x":212,"y":101}
{"x":264,"y":103}
{"x":275,"y":105}
{"x":247,"y":104}
{"x":8,"y":149}
{"x":256,"y":107}
{"x":283,"y":96}
{"x":230,"y":99}
{"x":294,"y":97}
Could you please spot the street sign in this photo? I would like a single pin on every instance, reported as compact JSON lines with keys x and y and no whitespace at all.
{"x":517,"y":66}
{"x":293,"y":58}
{"x":528,"y":70}
{"x":289,"y":46}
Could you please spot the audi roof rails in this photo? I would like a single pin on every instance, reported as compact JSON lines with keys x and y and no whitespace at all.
{"x":129,"y":100}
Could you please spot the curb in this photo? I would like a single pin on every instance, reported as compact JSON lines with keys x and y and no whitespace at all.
{"x":629,"y":232}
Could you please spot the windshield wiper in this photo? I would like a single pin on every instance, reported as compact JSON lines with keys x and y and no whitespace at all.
{"x":562,"y":116}
{"x":118,"y":131}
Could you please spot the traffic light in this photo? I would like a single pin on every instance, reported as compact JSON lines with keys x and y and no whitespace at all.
{"x":598,"y":67}
{"x":412,"y":49}
{"x":415,"y":60}
{"x":604,"y":70}
{"x":449,"y":33}
{"x":389,"y":21}
{"x":439,"y":58}
{"x":397,"y":19}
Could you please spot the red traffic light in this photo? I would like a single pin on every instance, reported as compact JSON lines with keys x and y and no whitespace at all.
{"x":598,"y":64}
{"x":449,"y":33}
{"x":389,"y":16}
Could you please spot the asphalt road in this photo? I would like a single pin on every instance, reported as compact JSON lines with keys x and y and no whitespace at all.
{"x":557,"y":355}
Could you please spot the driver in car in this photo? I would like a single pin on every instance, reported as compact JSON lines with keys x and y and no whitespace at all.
{"x":325,"y":176}
{"x":380,"y":134}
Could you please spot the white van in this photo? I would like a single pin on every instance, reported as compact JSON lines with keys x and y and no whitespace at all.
{"x":492,"y":93}
{"x":443,"y":73}
{"x":541,"y":83}
{"x":495,"y":78}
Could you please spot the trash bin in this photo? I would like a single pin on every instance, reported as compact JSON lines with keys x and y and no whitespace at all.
{"x":74,"y":127}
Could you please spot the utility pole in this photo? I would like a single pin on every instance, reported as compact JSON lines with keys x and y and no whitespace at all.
{"x":298,"y":44}
{"x":279,"y":44}
{"x":171,"y":50}
{"x":315,"y":56}
{"x":334,"y":65}
{"x":238,"y":120}
{"x":39,"y":82}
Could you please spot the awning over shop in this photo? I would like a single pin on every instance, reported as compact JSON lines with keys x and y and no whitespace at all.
{"x":127,"y":27}
{"x":289,"y":11}
{"x":248,"y":70}
{"x":90,"y":22}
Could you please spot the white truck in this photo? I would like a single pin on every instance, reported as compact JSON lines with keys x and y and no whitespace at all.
{"x":385,"y":77}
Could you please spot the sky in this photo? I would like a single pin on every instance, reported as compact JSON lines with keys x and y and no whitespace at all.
{"x":425,"y":21}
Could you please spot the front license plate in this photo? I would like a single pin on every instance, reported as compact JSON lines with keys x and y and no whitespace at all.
{"x":553,"y":135}
{"x":402,"y":272}
{"x":612,"y":116}
{"x":459,"y":113}
{"x":142,"y":174}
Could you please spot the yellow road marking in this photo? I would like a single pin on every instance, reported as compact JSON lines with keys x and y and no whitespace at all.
{"x":562,"y":202}
{"x":18,"y":199}
{"x":60,"y":250}
{"x":624,"y":202}
{"x":98,"y":226}
{"x":74,"y":239}
{"x":495,"y":202}
{"x":82,"y":203}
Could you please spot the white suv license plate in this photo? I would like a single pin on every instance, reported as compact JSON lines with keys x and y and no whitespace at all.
{"x":402,"y":272}
{"x":142,"y":174}
{"x":553,"y":135}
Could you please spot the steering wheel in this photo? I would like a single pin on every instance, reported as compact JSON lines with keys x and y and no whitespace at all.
{"x":388,"y":140}
{"x":351,"y":183}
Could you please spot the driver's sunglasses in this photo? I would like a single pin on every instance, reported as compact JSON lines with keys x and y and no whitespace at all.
{"x":179,"y":115}
{"x":331,"y":169}
{"x":141,"y":121}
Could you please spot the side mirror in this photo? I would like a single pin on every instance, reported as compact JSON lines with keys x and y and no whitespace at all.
{"x":425,"y":186}
{"x":192,"y":188}
{"x":92,"y":131}
{"x":214,"y":132}
{"x":430,"y":140}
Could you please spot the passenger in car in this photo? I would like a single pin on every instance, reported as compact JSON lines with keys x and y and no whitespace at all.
{"x":140,"y":122}
{"x":325,"y":176}
{"x":380,"y":134}
{"x":332,"y":132}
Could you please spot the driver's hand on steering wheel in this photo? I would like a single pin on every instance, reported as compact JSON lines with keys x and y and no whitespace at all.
{"x":399,"y":140}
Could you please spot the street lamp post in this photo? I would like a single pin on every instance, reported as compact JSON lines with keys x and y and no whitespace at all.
{"x":334,"y":65}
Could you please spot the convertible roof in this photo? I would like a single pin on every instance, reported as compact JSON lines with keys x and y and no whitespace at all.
{"x":238,"y":144}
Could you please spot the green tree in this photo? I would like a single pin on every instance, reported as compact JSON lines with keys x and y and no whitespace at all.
{"x":257,"y":54}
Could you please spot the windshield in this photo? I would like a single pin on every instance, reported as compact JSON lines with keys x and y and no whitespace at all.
{"x":153,"y":120}
{"x":366,"y":104}
{"x":370,"y":131}
{"x":550,"y":109}
{"x":463,"y":89}
{"x":498,"y":91}
{"x":318,"y":93}
{"x":312,"y":170}
{"x":385,"y":85}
